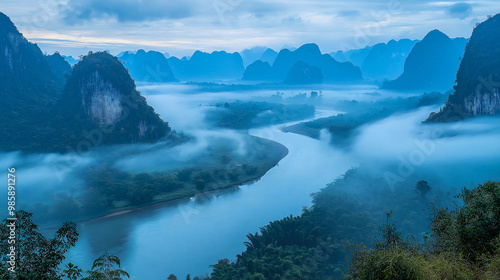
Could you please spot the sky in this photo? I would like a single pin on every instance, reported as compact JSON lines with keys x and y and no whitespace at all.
{"x":179,"y":27}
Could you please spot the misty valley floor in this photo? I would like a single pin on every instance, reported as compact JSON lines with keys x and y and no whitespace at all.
{"x":210,"y":224}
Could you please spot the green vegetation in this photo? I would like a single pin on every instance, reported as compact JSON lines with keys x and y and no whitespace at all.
{"x":313,"y":245}
{"x":103,"y":268}
{"x":38,"y":257}
{"x":107,"y":189}
{"x":245,"y":115}
{"x":463,"y":243}
{"x":343,"y":126}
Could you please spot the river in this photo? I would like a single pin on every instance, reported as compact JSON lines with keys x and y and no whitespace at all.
{"x":189,"y":235}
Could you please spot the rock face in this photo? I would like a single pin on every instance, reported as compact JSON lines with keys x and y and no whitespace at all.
{"x":149,"y":66}
{"x":478,"y":78}
{"x":41,"y":112}
{"x":101,"y":101}
{"x":213,"y":66}
{"x":431,"y":64}
{"x":484,"y":101}
{"x":101,"y":94}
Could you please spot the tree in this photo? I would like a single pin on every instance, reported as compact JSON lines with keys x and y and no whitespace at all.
{"x":172,"y":277}
{"x":422,"y":187}
{"x":104,"y":269}
{"x":474,"y":228}
{"x":72,"y":272}
{"x":37,"y":257}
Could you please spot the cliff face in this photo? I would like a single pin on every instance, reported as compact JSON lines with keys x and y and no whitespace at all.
{"x":478,"y":78}
{"x":41,"y":112}
{"x":101,"y":94}
{"x":101,"y":101}
{"x":483,"y":101}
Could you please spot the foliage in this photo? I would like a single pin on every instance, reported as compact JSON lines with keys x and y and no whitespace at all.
{"x":464,"y":245}
{"x":104,"y":268}
{"x":245,"y":115}
{"x":312,"y":245}
{"x":38,"y":257}
{"x":343,"y":126}
{"x":72,"y":272}
{"x":478,"y":71}
{"x":473,"y":229}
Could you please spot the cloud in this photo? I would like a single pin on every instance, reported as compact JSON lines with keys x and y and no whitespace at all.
{"x":291,"y":20}
{"x":127,"y":10}
{"x":460,"y":10}
{"x":348,"y":13}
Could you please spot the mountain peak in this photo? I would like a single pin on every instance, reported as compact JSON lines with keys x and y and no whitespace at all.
{"x":436,"y":35}
{"x":101,"y":92}
{"x":6,"y":25}
{"x":477,"y":86}
{"x":310,"y":48}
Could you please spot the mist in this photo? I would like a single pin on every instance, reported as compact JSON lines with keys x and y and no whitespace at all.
{"x":395,"y":153}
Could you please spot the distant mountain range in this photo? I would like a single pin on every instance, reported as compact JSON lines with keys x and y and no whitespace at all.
{"x":386,"y":61}
{"x":70,"y":60}
{"x":477,"y":89}
{"x":60,"y":67}
{"x":149,"y":66}
{"x":264,"y":54}
{"x":355,"y":56}
{"x":381,"y":61}
{"x":431,"y":64}
{"x":311,"y":58}
{"x":215,"y":66}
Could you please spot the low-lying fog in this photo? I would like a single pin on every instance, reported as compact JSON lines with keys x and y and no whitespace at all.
{"x":451,"y":156}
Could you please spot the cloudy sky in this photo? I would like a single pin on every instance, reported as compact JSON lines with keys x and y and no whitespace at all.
{"x":73,"y":27}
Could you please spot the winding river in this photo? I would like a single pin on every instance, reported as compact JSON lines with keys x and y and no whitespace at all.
{"x":189,"y":235}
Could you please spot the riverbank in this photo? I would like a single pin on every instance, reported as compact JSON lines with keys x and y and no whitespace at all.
{"x":112,"y":192}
